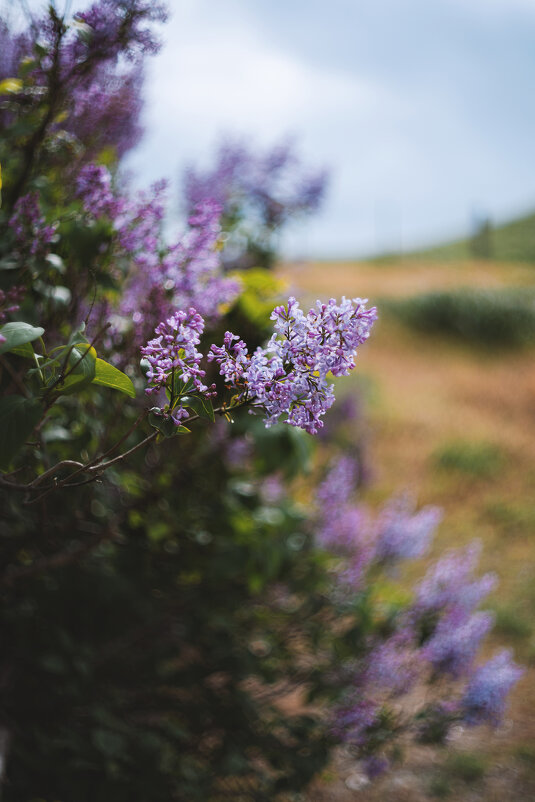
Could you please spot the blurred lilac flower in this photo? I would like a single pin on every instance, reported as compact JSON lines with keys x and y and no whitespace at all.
{"x":352,"y":718}
{"x":403,"y":534}
{"x":456,"y":640}
{"x":10,"y":301}
{"x":32,"y":235}
{"x":258,"y":193}
{"x":160,"y":276}
{"x":393,"y":665}
{"x":486,"y":694}
{"x":275,"y":182}
{"x":450,"y":583}
{"x":375,"y":765}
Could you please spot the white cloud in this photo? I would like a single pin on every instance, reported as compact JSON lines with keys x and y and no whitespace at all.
{"x":227,"y":78}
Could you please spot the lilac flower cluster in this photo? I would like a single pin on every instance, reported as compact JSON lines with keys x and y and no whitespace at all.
{"x":161,"y":277}
{"x":454,"y":643}
{"x":289,"y":376}
{"x":486,"y":694}
{"x":438,"y":634}
{"x":449,"y":594}
{"x":106,"y":110}
{"x":274,"y":182}
{"x":449,"y":584}
{"x":119,"y":27}
{"x":340,"y":521}
{"x":403,"y":534}
{"x":173,"y":354}
{"x":398,"y":533}
{"x":353,"y":717}
{"x":258,"y":193}
{"x":104,"y":92}
{"x":33,"y":236}
{"x":9,"y":302}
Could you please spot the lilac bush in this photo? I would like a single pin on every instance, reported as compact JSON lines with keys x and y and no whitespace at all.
{"x":438,"y":634}
{"x":161,"y":277}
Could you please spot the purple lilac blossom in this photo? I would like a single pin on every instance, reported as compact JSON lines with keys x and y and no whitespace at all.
{"x":104,"y":91}
{"x":450,"y":583}
{"x":338,"y":485}
{"x":275,"y":182}
{"x":289,"y":376}
{"x":161,"y":277}
{"x":340,"y":522}
{"x":94,"y":187}
{"x":352,"y":718}
{"x":258,"y":193}
{"x":393,"y":664}
{"x":117,"y":27}
{"x":455,"y":641}
{"x":402,"y":534}
{"x":342,"y":526}
{"x":10,"y":301}
{"x":105,"y":112}
{"x":375,"y":765}
{"x":486,"y":694}
{"x":174,"y":353}
{"x":32,"y":235}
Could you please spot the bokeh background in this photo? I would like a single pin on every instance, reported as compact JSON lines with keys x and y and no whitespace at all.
{"x":423,"y":114}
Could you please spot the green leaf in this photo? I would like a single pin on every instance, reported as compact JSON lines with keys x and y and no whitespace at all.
{"x":166,"y":426}
{"x":80,"y":369}
{"x":26,"y":66}
{"x":17,"y":334}
{"x":202,"y":406}
{"x":18,"y":418}
{"x":25,"y":350}
{"x":108,"y":376}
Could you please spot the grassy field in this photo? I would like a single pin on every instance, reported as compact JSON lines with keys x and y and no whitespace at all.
{"x":454,"y":424}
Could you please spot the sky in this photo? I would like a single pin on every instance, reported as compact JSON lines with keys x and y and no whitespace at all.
{"x":422,"y":109}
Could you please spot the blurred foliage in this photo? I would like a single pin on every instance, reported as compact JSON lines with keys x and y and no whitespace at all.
{"x":470,"y":458}
{"x":492,"y":318}
{"x":466,"y":766}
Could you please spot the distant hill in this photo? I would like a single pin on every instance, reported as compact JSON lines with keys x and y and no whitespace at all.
{"x":509,"y":242}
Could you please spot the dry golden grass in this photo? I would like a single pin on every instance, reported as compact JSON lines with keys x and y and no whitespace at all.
{"x":397,"y":279}
{"x":429,"y":396}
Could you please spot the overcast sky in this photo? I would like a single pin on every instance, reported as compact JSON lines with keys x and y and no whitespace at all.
{"x":423,"y":109}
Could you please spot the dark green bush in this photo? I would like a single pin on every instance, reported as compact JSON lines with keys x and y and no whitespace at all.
{"x":495,"y":318}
